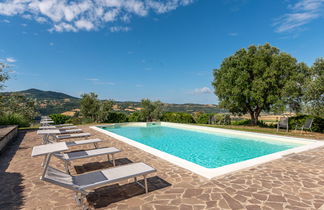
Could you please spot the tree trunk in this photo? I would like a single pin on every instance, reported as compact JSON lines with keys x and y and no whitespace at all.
{"x":255,"y":116}
{"x":252,"y":118}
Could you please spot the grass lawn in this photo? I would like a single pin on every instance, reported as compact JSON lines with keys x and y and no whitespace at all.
{"x":293,"y":133}
{"x":309,"y":135}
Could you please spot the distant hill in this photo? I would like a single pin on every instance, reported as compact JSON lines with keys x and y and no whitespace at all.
{"x":49,"y":102}
{"x":43,"y":95}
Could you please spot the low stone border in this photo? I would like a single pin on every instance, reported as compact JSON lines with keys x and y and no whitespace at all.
{"x":7,"y":134}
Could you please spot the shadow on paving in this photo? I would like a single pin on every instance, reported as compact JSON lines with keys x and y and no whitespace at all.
{"x":104,"y":196}
{"x":87,"y":167}
{"x":11,"y":183}
{"x":11,"y":190}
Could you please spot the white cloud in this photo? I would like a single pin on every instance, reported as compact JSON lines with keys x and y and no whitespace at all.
{"x":51,"y":44}
{"x":11,"y":60}
{"x":203,"y":90}
{"x":75,"y":15}
{"x":301,"y":13}
{"x":119,"y":28}
{"x":84,"y":24}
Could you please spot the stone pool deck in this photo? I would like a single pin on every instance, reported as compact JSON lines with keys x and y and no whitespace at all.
{"x":294,"y":182}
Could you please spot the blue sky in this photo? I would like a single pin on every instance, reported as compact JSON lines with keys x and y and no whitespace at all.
{"x":134,"y":49}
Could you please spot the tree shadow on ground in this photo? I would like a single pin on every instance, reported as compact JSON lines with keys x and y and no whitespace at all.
{"x":11,"y":189}
{"x":104,"y":196}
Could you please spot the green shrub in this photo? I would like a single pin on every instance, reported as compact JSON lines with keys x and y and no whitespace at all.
{"x":248,"y":122}
{"x":59,"y":118}
{"x":223,"y":119}
{"x":178,"y":117}
{"x":299,"y":120}
{"x":116,"y":117}
{"x":76,"y":120}
{"x":202,"y":118}
{"x":135,"y":117}
{"x":14,"y":119}
{"x":241,"y":122}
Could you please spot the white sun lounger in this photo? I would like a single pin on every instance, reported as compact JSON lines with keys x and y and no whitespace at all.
{"x":82,"y":142}
{"x":69,"y":156}
{"x":55,"y":127}
{"x":74,"y":135}
{"x":63,"y":125}
{"x":54,"y":133}
{"x":64,"y":131}
{"x":83,"y":184}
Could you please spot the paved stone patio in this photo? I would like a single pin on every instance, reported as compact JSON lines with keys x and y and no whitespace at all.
{"x":294,"y":182}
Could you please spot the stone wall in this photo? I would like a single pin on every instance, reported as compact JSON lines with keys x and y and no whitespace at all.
{"x":7,"y":134}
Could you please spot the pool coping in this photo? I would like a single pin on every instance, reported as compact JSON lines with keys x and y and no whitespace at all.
{"x":210,"y":173}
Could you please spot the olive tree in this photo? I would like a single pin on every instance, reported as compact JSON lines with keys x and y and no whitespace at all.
{"x":3,"y":74}
{"x":151,"y":110}
{"x":257,"y":79}
{"x":314,"y":93}
{"x":89,"y":106}
{"x":105,"y":109}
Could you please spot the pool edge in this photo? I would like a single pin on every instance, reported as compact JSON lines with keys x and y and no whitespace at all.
{"x":210,"y":173}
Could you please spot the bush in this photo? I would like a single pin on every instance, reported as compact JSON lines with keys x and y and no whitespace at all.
{"x":76,"y":120}
{"x":224,"y":119}
{"x":116,"y":117}
{"x":249,"y":122}
{"x":14,"y":119}
{"x":135,"y":117}
{"x":59,"y":118}
{"x":178,"y":117}
{"x":299,"y":120}
{"x":202,"y":118}
{"x":241,"y":122}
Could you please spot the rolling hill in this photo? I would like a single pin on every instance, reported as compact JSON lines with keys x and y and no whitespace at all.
{"x":49,"y":102}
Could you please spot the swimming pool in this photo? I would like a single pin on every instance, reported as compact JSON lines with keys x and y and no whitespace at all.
{"x":203,"y":148}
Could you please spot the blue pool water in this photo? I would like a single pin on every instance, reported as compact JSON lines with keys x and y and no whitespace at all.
{"x":205,"y":149}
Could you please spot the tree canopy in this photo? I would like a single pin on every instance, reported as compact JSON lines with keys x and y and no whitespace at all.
{"x":3,"y":74}
{"x":151,"y":110}
{"x":259,"y":78}
{"x":314,"y":94}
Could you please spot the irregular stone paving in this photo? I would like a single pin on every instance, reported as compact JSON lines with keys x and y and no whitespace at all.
{"x":294,"y":182}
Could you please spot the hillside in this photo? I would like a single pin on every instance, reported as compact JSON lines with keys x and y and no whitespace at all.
{"x":49,"y":102}
{"x":43,"y":95}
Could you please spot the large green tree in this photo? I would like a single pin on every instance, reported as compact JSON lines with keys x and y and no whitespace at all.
{"x":151,"y":110}
{"x":314,"y":94}
{"x":89,"y":106}
{"x":259,"y":78}
{"x":3,"y":74}
{"x":105,"y":109}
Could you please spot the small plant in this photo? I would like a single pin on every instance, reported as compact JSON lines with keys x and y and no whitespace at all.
{"x":59,"y":118}
{"x":116,"y":117}
{"x":14,"y":119}
{"x":178,"y":117}
{"x":135,"y":117}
